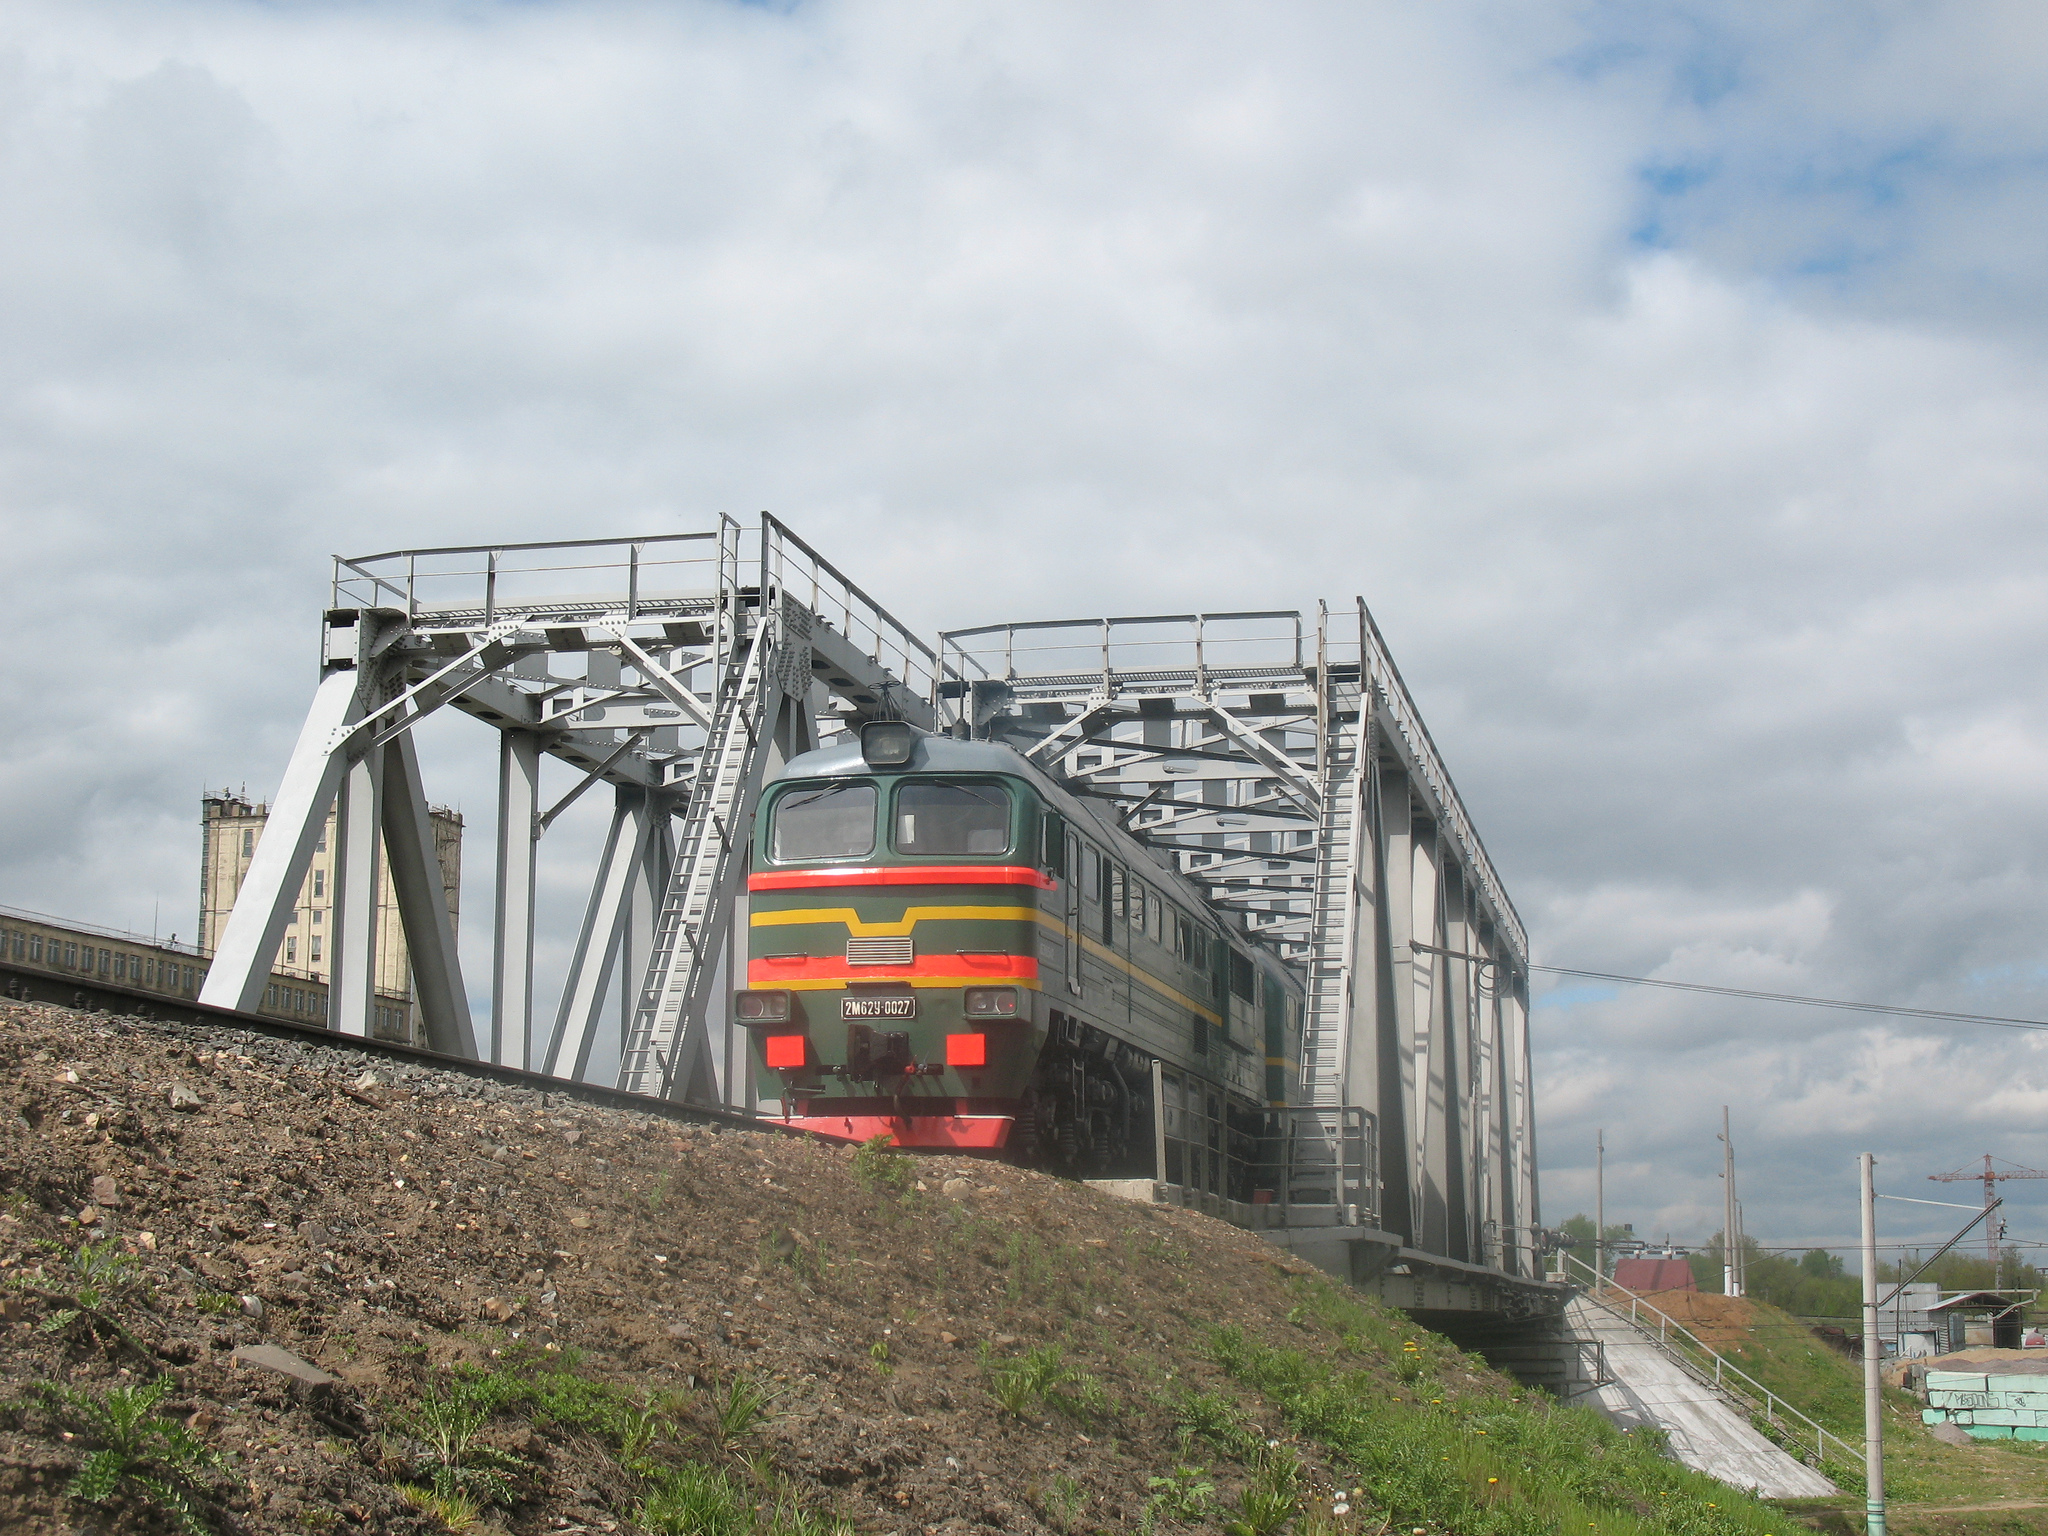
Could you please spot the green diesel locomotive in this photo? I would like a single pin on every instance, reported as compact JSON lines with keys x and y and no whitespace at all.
{"x":947,"y":947}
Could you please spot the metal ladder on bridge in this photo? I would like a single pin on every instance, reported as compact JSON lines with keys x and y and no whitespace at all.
{"x":660,"y":1053}
{"x":1332,"y":933}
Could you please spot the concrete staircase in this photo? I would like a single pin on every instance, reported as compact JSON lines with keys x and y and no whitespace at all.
{"x":1649,"y":1385}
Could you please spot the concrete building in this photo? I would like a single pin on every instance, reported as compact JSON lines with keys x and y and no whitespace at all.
{"x":233,"y":826}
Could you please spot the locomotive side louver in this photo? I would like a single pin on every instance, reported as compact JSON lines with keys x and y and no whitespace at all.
{"x":878,"y":952}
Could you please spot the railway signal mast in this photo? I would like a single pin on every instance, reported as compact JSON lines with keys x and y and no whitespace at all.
{"x":1993,"y":1230}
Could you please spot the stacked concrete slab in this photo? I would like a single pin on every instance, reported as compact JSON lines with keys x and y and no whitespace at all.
{"x":2006,"y":1401}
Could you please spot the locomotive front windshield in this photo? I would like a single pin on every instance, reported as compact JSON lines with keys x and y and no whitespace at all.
{"x":832,"y":821}
{"x":952,"y":819}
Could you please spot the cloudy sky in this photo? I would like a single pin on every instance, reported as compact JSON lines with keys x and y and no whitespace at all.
{"x":1669,"y":378}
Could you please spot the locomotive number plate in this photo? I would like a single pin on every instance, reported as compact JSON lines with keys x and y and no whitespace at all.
{"x":878,"y":1008}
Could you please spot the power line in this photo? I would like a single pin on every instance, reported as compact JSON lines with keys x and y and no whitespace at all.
{"x":1898,"y":1011}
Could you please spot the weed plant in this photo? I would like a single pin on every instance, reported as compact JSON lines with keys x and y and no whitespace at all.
{"x":742,"y":1409}
{"x":1272,"y":1497}
{"x":697,"y":1500}
{"x":883,"y":1170}
{"x":453,"y":1512}
{"x":1184,"y":1496}
{"x":1042,"y":1377}
{"x":138,"y":1456}
{"x":1212,"y":1417}
{"x":1061,"y":1503}
{"x":446,"y":1454}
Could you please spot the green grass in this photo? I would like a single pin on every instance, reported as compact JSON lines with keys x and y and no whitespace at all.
{"x":452,"y":1473}
{"x":1827,"y":1386}
{"x":1041,"y":1378}
{"x":1479,"y":1460}
{"x":699,"y":1500}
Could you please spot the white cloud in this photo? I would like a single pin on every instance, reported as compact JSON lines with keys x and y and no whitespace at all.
{"x":1669,"y":383}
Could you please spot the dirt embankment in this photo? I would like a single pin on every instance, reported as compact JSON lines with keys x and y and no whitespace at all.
{"x":174,"y":1197}
{"x":1719,"y":1322}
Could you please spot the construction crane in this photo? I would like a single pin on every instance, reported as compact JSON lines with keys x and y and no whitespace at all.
{"x":1993,"y":1230}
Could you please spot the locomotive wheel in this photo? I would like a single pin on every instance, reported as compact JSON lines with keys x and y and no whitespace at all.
{"x":1069,"y":1141}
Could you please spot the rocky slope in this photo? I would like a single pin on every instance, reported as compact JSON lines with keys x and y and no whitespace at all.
{"x":254,"y":1285}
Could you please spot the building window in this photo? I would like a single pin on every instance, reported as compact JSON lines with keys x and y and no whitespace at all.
{"x":71,"y":957}
{"x":319,"y":883}
{"x":121,"y":967}
{"x":248,"y":842}
{"x":106,"y":962}
{"x":291,"y":950}
{"x":316,"y":949}
{"x":317,"y":911}
{"x":321,"y":846}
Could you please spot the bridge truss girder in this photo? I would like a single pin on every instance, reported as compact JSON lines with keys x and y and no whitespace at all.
{"x":1284,"y":768}
{"x":641,"y":663}
{"x":1280,"y":766}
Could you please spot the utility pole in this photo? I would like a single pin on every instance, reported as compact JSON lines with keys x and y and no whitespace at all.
{"x":1741,"y":1252}
{"x":1731,"y":1239}
{"x":1873,"y":1389}
{"x":1600,"y":1204}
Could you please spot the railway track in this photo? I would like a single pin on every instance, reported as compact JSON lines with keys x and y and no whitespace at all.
{"x":22,"y":983}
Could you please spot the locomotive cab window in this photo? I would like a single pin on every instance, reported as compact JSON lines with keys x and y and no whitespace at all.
{"x":952,"y":819}
{"x":825,"y":821}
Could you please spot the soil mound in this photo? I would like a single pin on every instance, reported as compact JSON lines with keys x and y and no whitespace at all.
{"x":257,"y":1285}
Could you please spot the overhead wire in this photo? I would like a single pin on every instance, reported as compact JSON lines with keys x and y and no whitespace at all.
{"x":1940,"y":1015}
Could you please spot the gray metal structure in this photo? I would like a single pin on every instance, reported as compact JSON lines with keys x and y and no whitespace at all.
{"x":676,"y":669}
{"x":1275,"y":760}
{"x":1278,"y":761}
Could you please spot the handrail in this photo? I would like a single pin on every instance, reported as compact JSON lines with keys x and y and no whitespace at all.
{"x":1666,"y":1324}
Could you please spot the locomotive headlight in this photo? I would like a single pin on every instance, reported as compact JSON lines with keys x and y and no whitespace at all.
{"x":990,"y":1003}
{"x":887,"y":743}
{"x":764,"y":1007}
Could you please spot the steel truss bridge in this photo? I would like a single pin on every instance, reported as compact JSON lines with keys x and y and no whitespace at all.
{"x":1275,"y":759}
